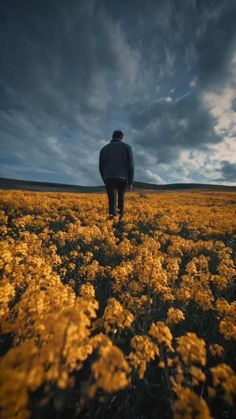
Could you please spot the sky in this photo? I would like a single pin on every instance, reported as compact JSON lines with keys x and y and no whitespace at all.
{"x":162,"y":71}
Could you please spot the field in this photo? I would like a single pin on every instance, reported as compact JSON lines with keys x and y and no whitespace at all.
{"x":108,"y":320}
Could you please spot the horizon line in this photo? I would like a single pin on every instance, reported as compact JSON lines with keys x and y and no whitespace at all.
{"x":99,"y":186}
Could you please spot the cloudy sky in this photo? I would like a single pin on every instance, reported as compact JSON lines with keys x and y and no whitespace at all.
{"x":162,"y":71}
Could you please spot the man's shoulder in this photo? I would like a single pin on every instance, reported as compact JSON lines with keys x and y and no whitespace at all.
{"x":121,"y":143}
{"x":128,"y":146}
{"x":104,"y":147}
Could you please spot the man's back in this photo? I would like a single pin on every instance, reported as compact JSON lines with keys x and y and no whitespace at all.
{"x":116,"y":161}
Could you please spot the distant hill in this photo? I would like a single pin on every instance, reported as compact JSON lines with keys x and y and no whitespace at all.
{"x":6,"y":183}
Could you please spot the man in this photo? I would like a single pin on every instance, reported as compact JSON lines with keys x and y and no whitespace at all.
{"x":116,"y":166}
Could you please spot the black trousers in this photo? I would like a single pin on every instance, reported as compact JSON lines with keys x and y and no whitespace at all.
{"x":113,"y":186}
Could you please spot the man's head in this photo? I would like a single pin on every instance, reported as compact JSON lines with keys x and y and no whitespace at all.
{"x":118,"y":134}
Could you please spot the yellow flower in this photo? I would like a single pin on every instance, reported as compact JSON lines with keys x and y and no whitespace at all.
{"x":162,"y":334}
{"x":111,"y":370}
{"x":144,"y":351}
{"x":223,"y":376}
{"x":190,"y":405}
{"x":216,"y":350}
{"x":197,"y":375}
{"x":7,"y":292}
{"x":115,"y":315}
{"x":175,"y":315}
{"x":227,"y":325}
{"x":87,"y":290}
{"x":191,"y":349}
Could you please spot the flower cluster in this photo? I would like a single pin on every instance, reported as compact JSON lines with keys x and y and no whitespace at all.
{"x":174,"y":315}
{"x":111,"y":371}
{"x":116,"y":316}
{"x":161,"y":332}
{"x":190,"y":405}
{"x":144,"y":351}
{"x":223,"y":378}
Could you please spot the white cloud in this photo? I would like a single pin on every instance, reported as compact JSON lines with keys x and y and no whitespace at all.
{"x":220,"y":103}
{"x":220,"y":107}
{"x":183,"y":123}
{"x":56,"y":147}
{"x":154,"y":177}
{"x":166,"y":99}
{"x":182,"y":97}
{"x":206,"y":165}
{"x":226,"y":150}
{"x":193,"y":82}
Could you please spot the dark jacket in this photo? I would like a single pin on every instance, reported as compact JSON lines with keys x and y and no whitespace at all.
{"x":116,"y":161}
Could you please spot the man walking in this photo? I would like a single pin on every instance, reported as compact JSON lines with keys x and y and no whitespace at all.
{"x":116,"y":166}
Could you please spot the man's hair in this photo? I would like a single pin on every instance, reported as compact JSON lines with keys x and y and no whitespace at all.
{"x":118,"y":134}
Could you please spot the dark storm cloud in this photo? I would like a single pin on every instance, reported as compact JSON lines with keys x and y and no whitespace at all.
{"x":167,"y":126}
{"x":228,"y":171}
{"x":58,"y":60}
{"x":203,"y":36}
{"x":73,"y":71}
{"x":216,"y":44}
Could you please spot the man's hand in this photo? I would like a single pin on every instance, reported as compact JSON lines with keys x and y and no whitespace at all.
{"x":130,"y":187}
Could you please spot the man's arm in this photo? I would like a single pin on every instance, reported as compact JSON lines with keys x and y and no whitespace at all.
{"x":130,"y":162}
{"x":101,"y":164}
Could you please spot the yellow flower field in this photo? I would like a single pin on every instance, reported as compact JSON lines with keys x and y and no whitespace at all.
{"x":131,"y":320}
